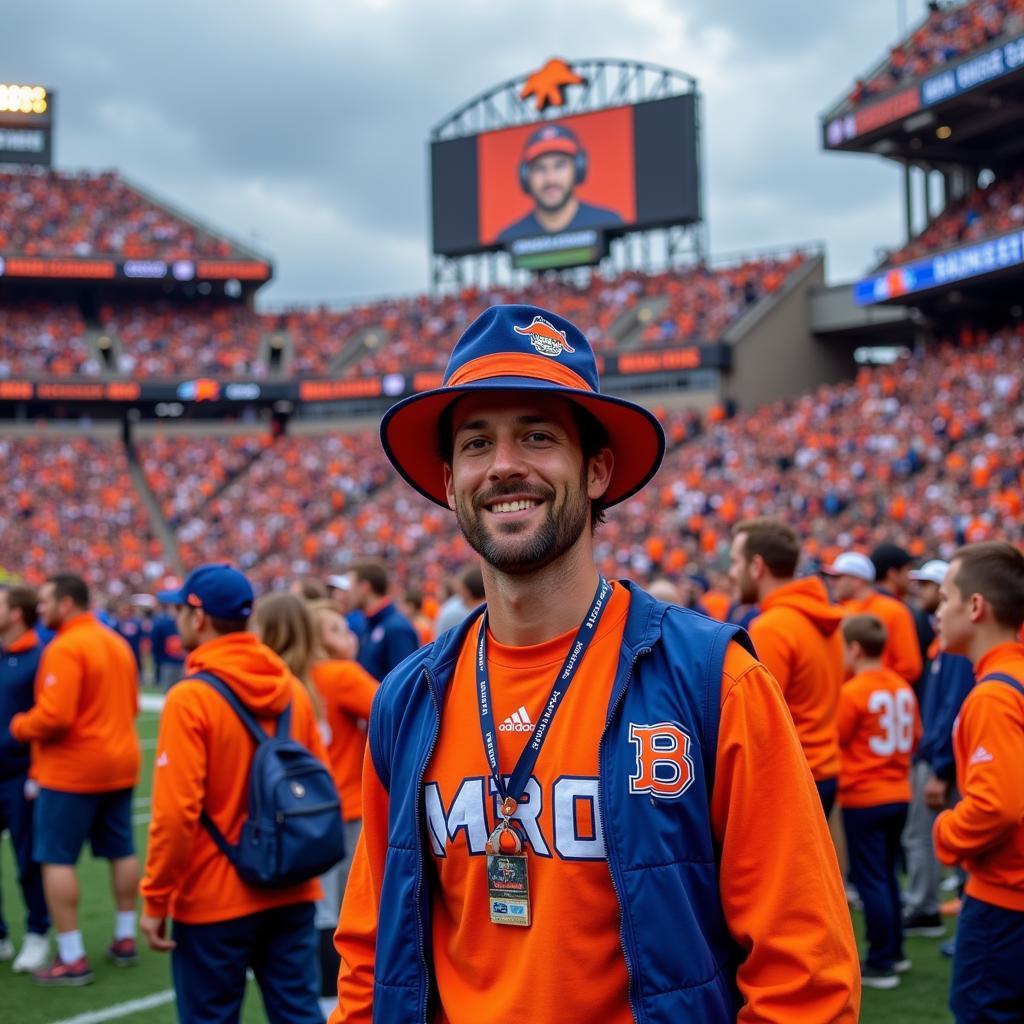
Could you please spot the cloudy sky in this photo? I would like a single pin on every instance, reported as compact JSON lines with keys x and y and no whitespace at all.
{"x":301,"y":127}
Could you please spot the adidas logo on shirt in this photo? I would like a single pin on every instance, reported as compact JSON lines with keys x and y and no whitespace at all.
{"x":981,"y":756}
{"x":518,"y":721}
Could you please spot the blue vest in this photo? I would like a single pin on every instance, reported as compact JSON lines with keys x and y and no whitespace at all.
{"x":662,"y":858}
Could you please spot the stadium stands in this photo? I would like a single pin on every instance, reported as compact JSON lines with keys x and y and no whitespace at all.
{"x":70,"y":505}
{"x":51,"y":213}
{"x":162,"y":338}
{"x":947,"y":34}
{"x":986,"y":211}
{"x":43,"y":338}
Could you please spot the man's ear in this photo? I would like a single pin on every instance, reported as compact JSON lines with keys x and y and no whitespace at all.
{"x":976,"y":607}
{"x":449,"y":489}
{"x":599,"y":473}
{"x":757,"y":567}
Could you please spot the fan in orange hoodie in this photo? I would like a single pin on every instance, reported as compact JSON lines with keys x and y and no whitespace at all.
{"x":980,"y":615}
{"x":855,"y":590}
{"x":796,"y":636}
{"x":222,"y":926}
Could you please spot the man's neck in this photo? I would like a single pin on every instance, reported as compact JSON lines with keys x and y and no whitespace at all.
{"x":12,"y":634}
{"x":559,"y":220}
{"x":868,"y":665}
{"x":527,"y":610}
{"x":768,"y":585}
{"x":986,"y":638}
{"x":376,"y":605}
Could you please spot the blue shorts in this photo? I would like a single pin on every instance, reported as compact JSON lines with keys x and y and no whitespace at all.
{"x":63,"y":821}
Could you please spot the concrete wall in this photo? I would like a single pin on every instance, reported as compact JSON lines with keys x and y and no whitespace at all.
{"x":775,"y":355}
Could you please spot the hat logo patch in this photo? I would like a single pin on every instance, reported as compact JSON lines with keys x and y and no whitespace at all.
{"x":544,"y":337}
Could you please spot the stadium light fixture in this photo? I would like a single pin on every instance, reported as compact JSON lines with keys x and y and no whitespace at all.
{"x":943,"y":131}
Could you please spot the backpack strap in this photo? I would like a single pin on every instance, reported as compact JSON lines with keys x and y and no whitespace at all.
{"x":253,"y":728}
{"x":1002,"y":677}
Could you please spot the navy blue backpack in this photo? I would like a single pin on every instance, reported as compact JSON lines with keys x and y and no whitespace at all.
{"x":294,"y":830}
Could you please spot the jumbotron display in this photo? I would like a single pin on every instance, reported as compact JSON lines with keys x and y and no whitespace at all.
{"x":565,"y":185}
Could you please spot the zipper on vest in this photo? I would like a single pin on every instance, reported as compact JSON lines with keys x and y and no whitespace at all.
{"x":607,"y":817}
{"x":419,"y":838}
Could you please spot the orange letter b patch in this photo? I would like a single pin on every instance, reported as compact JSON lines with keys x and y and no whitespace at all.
{"x":663,"y":765}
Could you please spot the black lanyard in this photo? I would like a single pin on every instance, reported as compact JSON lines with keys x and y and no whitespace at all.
{"x":516,"y":789}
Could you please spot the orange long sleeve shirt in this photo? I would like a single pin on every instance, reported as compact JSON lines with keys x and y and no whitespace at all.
{"x":879,"y":729}
{"x":783,"y":899}
{"x":202,"y":755}
{"x":985,"y":831}
{"x":798,"y":640}
{"x":902,"y":651}
{"x":347,"y":690}
{"x":82,"y":727}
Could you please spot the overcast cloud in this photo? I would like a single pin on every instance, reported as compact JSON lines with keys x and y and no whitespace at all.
{"x":301,"y":128}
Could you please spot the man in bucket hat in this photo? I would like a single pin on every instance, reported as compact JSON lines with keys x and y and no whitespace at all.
{"x":581,"y":804}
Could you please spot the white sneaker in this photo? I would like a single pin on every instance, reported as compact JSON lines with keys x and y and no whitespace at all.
{"x":6,"y":949}
{"x":34,"y":954}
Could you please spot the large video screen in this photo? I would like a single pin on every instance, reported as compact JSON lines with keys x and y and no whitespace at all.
{"x":609,"y":171}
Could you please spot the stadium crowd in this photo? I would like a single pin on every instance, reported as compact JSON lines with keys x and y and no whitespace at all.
{"x":40,"y":338}
{"x":948,"y":33}
{"x":52,"y":213}
{"x":993,"y":210}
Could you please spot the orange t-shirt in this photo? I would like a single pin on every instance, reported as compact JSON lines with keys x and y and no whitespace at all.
{"x":985,"y":831}
{"x":82,"y":727}
{"x":572,"y":950}
{"x":347,"y":690}
{"x":879,"y":727}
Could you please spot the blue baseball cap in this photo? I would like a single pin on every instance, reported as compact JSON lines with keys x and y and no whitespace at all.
{"x":218,"y":588}
{"x":522,"y":349}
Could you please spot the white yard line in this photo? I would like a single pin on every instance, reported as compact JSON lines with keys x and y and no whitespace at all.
{"x":118,"y":1010}
{"x":152,"y":701}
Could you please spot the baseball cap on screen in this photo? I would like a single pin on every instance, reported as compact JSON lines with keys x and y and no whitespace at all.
{"x":219,"y":589}
{"x":852,"y":563}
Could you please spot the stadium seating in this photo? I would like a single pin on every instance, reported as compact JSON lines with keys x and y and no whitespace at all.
{"x":163,"y":338}
{"x":986,"y":211}
{"x":184,"y":471}
{"x":39,"y":338}
{"x":419,"y":331}
{"x":51,"y":213}
{"x":71,"y":505}
{"x":947,"y":34}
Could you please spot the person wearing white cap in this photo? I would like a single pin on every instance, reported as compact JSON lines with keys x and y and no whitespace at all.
{"x":854,"y":588}
{"x":947,"y":680}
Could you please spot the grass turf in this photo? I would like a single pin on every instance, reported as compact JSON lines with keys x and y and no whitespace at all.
{"x":920,"y":999}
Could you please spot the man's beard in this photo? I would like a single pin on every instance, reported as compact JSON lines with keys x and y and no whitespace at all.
{"x":746,"y":591}
{"x":559,"y":204}
{"x":561,"y":528}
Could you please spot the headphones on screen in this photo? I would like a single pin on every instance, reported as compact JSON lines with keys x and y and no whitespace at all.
{"x":548,"y":133}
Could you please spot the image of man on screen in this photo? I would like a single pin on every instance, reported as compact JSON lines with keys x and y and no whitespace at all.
{"x":553,"y":165}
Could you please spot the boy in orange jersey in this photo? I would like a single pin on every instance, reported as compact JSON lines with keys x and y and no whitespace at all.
{"x":222,"y":926}
{"x":796,"y":636}
{"x":981,"y":611}
{"x":879,"y":727}
{"x":572,"y":800}
{"x":85,"y":758}
{"x":854,"y":588}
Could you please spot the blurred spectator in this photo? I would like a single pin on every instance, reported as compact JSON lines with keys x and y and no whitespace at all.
{"x":40,"y":338}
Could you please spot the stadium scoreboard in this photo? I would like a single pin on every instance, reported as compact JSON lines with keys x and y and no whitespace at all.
{"x":26,"y":124}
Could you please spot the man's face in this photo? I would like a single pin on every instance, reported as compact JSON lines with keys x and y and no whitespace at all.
{"x":518,"y":481}
{"x":899,"y":580}
{"x":339,"y":597}
{"x":744,"y":586}
{"x":49,"y":607}
{"x":954,"y":618}
{"x":845,"y":587}
{"x":927,"y":594}
{"x":551,"y":178}
{"x":185,"y":618}
{"x":359,"y":592}
{"x":5,"y":612}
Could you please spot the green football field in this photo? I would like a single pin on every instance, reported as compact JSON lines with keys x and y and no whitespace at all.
{"x":143,"y":993}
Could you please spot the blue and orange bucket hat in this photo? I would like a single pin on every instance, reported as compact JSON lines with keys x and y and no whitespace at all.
{"x":521,"y":348}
